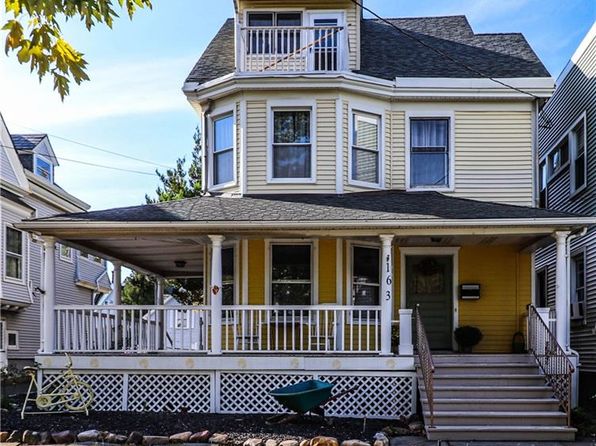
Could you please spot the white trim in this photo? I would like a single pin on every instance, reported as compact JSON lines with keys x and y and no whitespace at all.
{"x":367,"y":110}
{"x":350,"y":266}
{"x":292,"y":105}
{"x":339,"y":146}
{"x":572,"y":154}
{"x":13,"y":157}
{"x":23,"y":256}
{"x":579,"y":52}
{"x":21,"y":210}
{"x":70,"y":258}
{"x":314,"y":265}
{"x":432,"y":114}
{"x":13,"y":346}
{"x":431,"y":251}
{"x":214,"y":115}
{"x":243,"y":147}
{"x":342,"y":53}
{"x":37,"y":157}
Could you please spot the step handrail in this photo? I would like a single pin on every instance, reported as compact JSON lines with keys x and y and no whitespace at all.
{"x":551,"y":358}
{"x":426,"y":362}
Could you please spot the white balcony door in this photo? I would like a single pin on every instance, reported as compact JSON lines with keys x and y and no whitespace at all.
{"x":325,"y":50}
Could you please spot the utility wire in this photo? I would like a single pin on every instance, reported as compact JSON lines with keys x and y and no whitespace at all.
{"x":89,"y":146}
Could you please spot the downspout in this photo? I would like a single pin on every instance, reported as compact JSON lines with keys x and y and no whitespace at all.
{"x":205,"y":157}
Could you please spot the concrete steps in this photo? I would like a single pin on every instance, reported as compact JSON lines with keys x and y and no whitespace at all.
{"x":492,"y":397}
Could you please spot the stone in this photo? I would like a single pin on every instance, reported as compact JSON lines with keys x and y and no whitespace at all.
{"x":416,"y":427}
{"x":324,"y":441}
{"x":90,"y":435}
{"x":219,"y":438}
{"x":4,"y":436}
{"x":355,"y":443}
{"x":272,"y":442}
{"x":381,"y":439}
{"x":31,"y":437}
{"x":135,"y":438}
{"x":396,"y":431}
{"x":288,"y":443}
{"x":254,"y":442}
{"x":115,"y":438}
{"x":305,"y":443}
{"x":14,"y":437}
{"x":150,"y":440}
{"x":63,"y":437}
{"x":45,"y":438}
{"x":200,"y":437}
{"x":182,"y":437}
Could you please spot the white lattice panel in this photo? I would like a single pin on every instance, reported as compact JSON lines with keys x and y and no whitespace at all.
{"x":249,"y":392}
{"x":169,"y":393}
{"x":386,"y":396}
{"x":107,"y":389}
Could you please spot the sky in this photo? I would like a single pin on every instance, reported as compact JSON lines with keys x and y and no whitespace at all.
{"x":133,"y":104}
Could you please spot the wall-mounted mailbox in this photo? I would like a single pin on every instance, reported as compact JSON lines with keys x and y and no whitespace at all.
{"x":469,"y":291}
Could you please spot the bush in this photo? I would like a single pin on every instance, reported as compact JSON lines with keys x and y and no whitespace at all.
{"x":467,"y":337}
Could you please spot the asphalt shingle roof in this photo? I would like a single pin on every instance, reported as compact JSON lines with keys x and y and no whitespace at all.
{"x":388,"y":205}
{"x":386,"y":53}
{"x":27,"y":142}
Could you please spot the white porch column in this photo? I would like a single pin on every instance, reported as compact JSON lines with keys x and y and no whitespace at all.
{"x":159,"y":290}
{"x":117,"y":279}
{"x":386,"y":292}
{"x":160,"y":314}
{"x":49,"y":297}
{"x":216,"y":293}
{"x":561,"y":300}
{"x":405,"y":332}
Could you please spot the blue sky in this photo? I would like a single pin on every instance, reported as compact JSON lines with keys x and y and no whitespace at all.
{"x":133,"y":104}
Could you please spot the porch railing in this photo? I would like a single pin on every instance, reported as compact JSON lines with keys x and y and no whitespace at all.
{"x":290,"y":49}
{"x":291,"y":328}
{"x":426,"y":363}
{"x":551,"y":358}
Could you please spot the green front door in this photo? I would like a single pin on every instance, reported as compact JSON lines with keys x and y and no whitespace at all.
{"x":429,"y":283}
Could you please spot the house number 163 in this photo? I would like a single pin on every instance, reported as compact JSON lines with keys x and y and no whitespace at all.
{"x":388,"y":279}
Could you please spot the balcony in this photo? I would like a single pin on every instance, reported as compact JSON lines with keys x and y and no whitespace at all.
{"x":284,"y":49}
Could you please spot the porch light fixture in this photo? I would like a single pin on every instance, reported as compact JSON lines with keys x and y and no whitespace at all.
{"x":180,"y":263}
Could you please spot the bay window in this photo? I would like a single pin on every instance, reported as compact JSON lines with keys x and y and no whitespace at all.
{"x":292,"y":149}
{"x":291,"y":274}
{"x":429,"y":152}
{"x":366,"y":148}
{"x":366,"y":275}
{"x":14,"y":254}
{"x":223,"y":149}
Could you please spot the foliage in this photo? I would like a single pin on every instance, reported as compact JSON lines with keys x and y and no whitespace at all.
{"x":34,"y":33}
{"x":467,"y":336}
{"x":583,"y":418}
{"x":176,"y":184}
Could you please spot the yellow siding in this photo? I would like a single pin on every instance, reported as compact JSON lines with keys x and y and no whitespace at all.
{"x":256,"y":272}
{"x":396,"y":147}
{"x":327,"y":271}
{"x":504,"y":277}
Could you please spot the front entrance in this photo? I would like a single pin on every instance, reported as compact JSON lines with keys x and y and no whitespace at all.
{"x":429,"y":283}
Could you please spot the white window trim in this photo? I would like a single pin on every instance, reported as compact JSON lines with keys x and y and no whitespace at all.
{"x":452,"y":251}
{"x":377,"y":113}
{"x":69,"y":258}
{"x":14,"y":346}
{"x":24,"y":257}
{"x":432,"y":114}
{"x":314,"y":265}
{"x":36,"y":156}
{"x":350,"y":266}
{"x":573,"y":286}
{"x":537,"y":271}
{"x":213,"y":116}
{"x":572,"y":154}
{"x":292,"y":105}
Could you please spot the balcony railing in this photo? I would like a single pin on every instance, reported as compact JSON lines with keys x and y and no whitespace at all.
{"x":292,"y":49}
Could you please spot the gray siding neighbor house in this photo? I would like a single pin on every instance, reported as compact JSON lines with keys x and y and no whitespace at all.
{"x":28,"y":189}
{"x":567,"y":182}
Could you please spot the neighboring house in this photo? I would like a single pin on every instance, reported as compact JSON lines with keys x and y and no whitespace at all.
{"x":29,"y":190}
{"x":352,"y":175}
{"x":567,"y":160}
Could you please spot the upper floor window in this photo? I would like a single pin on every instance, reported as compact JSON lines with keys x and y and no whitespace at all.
{"x":558,"y":157}
{"x":43,"y":168}
{"x":13,"y":253}
{"x":223,"y":149}
{"x":291,"y":274}
{"x":577,"y":142}
{"x":578,"y":286}
{"x":366,"y":275}
{"x":279,"y":41}
{"x":66,"y":253}
{"x":292,"y":156}
{"x":366,"y":148}
{"x":429,"y":152}
{"x":542,"y":183}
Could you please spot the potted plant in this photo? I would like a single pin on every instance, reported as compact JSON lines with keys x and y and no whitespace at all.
{"x":467,"y":337}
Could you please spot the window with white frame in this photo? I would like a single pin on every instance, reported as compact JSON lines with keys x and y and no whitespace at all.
{"x":12,"y":339}
{"x":291,"y":274}
{"x":578,"y":156}
{"x":429,"y":152}
{"x":43,"y":168}
{"x":578,"y":286}
{"x":543,"y":182}
{"x":366,"y":275}
{"x":13,"y":253}
{"x":223,"y":149}
{"x":292,"y":148}
{"x":280,"y":41}
{"x":366,"y":148}
{"x":65,"y":253}
{"x":558,"y":158}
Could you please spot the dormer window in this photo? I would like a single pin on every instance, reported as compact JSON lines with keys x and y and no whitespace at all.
{"x":43,"y":168}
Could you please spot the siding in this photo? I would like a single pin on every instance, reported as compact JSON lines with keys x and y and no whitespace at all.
{"x":256,"y":272}
{"x":6,"y":171}
{"x":396,"y":147}
{"x":327,"y":271}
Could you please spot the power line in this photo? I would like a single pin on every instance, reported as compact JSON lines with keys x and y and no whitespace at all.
{"x":90,"y":146}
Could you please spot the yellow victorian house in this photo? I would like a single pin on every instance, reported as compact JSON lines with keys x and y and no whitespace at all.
{"x":368,"y":189}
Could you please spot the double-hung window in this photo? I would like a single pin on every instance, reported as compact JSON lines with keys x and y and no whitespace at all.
{"x":43,"y":168}
{"x":291,"y":274}
{"x":14,"y":254}
{"x":292,"y":148}
{"x":429,"y":153}
{"x":365,"y":275}
{"x":578,"y":156}
{"x":223,"y":149}
{"x":578,"y":286}
{"x":366,"y":148}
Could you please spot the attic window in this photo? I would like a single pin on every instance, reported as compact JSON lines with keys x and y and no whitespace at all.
{"x":43,"y":168}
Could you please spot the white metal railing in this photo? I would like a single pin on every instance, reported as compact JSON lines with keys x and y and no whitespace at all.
{"x":289,"y":49}
{"x":292,"y":328}
{"x":131,"y":328}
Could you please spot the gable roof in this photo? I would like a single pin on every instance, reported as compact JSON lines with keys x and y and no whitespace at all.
{"x":27,"y":141}
{"x":386,"y":53}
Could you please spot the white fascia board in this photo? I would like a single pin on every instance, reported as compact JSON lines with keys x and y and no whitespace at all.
{"x":55,"y":195}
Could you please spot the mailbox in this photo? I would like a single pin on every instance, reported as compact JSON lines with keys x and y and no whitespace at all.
{"x":469,"y":291}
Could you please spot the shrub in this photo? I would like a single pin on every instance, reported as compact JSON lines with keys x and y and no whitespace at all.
{"x":467,"y":337}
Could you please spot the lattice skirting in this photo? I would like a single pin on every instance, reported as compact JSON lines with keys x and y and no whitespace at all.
{"x":375,"y":395}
